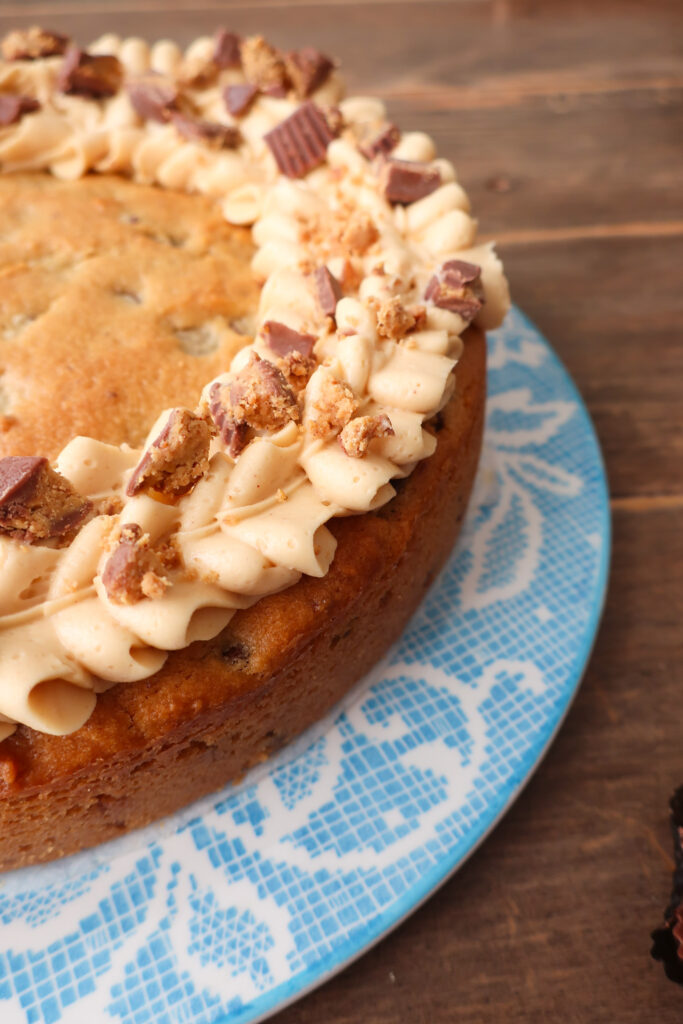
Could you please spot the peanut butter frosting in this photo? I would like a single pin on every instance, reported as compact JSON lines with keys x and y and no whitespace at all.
{"x":298,"y":400}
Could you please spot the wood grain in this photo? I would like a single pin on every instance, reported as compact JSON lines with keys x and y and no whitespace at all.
{"x":564,"y":118}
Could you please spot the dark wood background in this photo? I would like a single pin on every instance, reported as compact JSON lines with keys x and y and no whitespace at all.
{"x":565,"y":121}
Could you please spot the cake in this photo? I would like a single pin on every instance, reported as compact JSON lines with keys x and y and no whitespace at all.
{"x":241,"y":406}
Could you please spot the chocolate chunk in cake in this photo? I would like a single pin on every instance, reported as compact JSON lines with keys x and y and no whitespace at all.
{"x":135,"y":569}
{"x":282,"y":339}
{"x":218,"y":136}
{"x":263,"y":65}
{"x":154,"y":97}
{"x":406,"y":181}
{"x":33,"y":43}
{"x":299,"y":143}
{"x":226,"y":49}
{"x":331,"y":408}
{"x":359,"y":432}
{"x":36,"y":503}
{"x":457,"y":286}
{"x":239,"y":97}
{"x":382,"y":143}
{"x":176,"y":460}
{"x":13,"y":108}
{"x":308,"y":69}
{"x":93,"y":76}
{"x":328,"y":290}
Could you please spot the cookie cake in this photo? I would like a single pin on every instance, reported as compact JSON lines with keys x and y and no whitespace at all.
{"x":242,"y":381}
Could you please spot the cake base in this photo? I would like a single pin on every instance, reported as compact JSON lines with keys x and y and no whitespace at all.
{"x":220,"y":707}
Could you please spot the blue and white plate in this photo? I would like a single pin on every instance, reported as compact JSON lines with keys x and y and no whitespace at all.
{"x":228,"y":912}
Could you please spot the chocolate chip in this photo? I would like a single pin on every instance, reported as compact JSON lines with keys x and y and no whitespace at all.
{"x":308,"y":69}
{"x":278,"y":90}
{"x":153,"y":96}
{"x":33,"y":43}
{"x":220,"y":136}
{"x":299,"y":143}
{"x":84,"y":75}
{"x":236,"y":653}
{"x":238,"y":98}
{"x":13,"y":108}
{"x":456,"y":286}
{"x":406,"y":181}
{"x":226,"y":49}
{"x":177,"y":458}
{"x":282,"y":339}
{"x":380,"y":145}
{"x":36,"y":503}
{"x":328,"y":290}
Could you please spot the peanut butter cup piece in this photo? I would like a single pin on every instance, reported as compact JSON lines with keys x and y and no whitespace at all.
{"x":381,"y":144}
{"x":308,"y":69}
{"x":263,"y":65}
{"x":13,"y":108}
{"x":134,"y":569}
{"x":299,"y":143}
{"x":93,"y":76}
{"x":328,"y":290}
{"x":194,"y":129}
{"x":226,"y":49}
{"x":457,"y":286}
{"x":239,"y":97}
{"x":153,"y":96}
{"x":282,"y":339}
{"x":176,"y":460}
{"x":33,"y":43}
{"x":36,"y":503}
{"x":356,"y":436}
{"x":406,"y":181}
{"x":258,"y":398}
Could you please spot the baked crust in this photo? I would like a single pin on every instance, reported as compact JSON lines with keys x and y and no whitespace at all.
{"x":219,"y":707}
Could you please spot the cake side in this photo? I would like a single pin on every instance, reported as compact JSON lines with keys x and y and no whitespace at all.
{"x":221,"y":706}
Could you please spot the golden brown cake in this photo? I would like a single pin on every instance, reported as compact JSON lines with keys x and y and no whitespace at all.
{"x":239,"y":427}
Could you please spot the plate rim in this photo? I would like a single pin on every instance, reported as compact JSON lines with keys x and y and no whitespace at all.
{"x":386,"y":921}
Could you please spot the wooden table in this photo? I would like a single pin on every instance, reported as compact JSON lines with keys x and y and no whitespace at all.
{"x":565,"y":121}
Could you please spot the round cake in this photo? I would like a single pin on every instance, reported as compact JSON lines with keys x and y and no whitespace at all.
{"x":242,"y":387}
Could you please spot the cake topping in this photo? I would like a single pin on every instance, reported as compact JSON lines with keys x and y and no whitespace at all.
{"x":456,"y":286}
{"x":283,"y":340}
{"x":297,"y":369}
{"x":359,"y":432}
{"x":226,"y":49}
{"x":263,"y":65}
{"x":394,"y":320}
{"x":93,"y":76}
{"x":221,"y":136}
{"x":233,"y":433}
{"x":380,"y":145}
{"x":36,"y":503}
{"x":153,"y":96}
{"x":239,"y":97}
{"x":299,"y":143}
{"x":13,"y":108}
{"x":134,"y":569}
{"x":308,"y":69}
{"x":32,"y":43}
{"x":175,"y":460}
{"x":331,"y":407}
{"x":328,"y":290}
{"x":406,"y":181}
{"x":359,"y":233}
{"x":258,"y":396}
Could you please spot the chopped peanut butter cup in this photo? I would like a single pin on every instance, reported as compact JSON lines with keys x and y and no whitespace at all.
{"x":380,"y":145}
{"x":13,"y":108}
{"x":220,"y":136}
{"x":406,"y":181}
{"x":226,"y":49}
{"x":299,"y":143}
{"x":36,"y":503}
{"x":239,"y":97}
{"x":93,"y":76}
{"x":356,"y":436}
{"x":328,"y":290}
{"x":134,"y":569}
{"x":457,"y":286}
{"x":282,"y":339}
{"x":176,"y":460}
{"x":308,"y":69}
{"x":153,"y":96}
{"x":33,"y":43}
